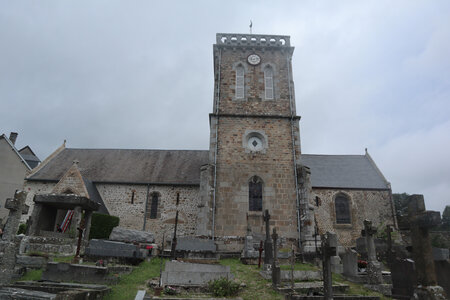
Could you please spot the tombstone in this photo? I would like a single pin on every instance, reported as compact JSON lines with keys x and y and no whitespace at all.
{"x":350,"y":262}
{"x":329,"y":246}
{"x":276,"y":278}
{"x":403,"y":278}
{"x":373,"y":266}
{"x":267,"y":242}
{"x":16,"y":207}
{"x":336,"y":264}
{"x":421,"y":221}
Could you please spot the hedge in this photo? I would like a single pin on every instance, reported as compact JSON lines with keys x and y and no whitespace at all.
{"x":102,"y":225}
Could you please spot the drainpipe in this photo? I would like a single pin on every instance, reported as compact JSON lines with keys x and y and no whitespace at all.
{"x":216,"y":148}
{"x":146,"y":207}
{"x":294,"y":153}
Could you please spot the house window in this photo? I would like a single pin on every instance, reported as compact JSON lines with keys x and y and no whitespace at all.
{"x":342,"y":207}
{"x":154,"y":206}
{"x":268,"y":82}
{"x":239,"y":82}
{"x":255,"y":189}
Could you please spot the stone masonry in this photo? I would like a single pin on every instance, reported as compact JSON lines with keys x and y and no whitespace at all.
{"x":365,"y":204}
{"x":274,"y":120}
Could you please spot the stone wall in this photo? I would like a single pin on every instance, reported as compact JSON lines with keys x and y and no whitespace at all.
{"x":236,"y":166}
{"x":254,"y":101}
{"x":117,"y":198}
{"x":374,"y":205}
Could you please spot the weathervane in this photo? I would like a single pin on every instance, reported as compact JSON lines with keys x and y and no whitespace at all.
{"x":251,"y":25}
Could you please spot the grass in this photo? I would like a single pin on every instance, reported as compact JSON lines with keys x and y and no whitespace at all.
{"x":129,"y":284}
{"x":32,"y":275}
{"x":300,"y":267}
{"x":357,"y":289}
{"x":257,"y":287}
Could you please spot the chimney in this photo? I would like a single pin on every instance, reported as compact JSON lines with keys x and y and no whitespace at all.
{"x":13,"y":137}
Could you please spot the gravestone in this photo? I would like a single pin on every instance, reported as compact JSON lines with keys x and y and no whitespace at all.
{"x":373,"y":266}
{"x":421,"y":221}
{"x":267,"y":243}
{"x":350,"y":262}
{"x":329,"y":246}
{"x":403,"y":278}
{"x":16,"y":207}
{"x":275,"y":268}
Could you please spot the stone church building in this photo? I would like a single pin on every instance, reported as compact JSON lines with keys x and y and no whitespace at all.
{"x":254,"y":163}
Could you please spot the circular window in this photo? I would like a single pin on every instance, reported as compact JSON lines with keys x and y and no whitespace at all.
{"x":255,"y":143}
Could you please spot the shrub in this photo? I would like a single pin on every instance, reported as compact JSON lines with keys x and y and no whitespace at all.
{"x":223,"y":287}
{"x":22,"y":229}
{"x":168,"y":290}
{"x":102,"y":225}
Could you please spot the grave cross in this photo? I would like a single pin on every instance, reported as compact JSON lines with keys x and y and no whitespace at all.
{"x":17,"y":208}
{"x":368,"y":232}
{"x":275,"y":268}
{"x":373,"y":266}
{"x":329,"y":246}
{"x":267,"y":242}
{"x":421,"y":221}
{"x":390,"y":254}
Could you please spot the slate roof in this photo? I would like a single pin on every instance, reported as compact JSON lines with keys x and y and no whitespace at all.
{"x":344,"y":171}
{"x":29,"y":156}
{"x":95,"y":196}
{"x":128,"y":166}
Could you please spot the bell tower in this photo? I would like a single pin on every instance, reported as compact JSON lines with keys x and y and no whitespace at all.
{"x":254,"y":137}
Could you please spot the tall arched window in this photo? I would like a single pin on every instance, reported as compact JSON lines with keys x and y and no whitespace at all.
{"x":342,"y":208}
{"x":268,"y":82}
{"x":239,"y":82}
{"x":154,"y":206}
{"x":255,"y":189}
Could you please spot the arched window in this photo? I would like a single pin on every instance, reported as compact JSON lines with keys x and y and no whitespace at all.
{"x":239,"y":82}
{"x":154,"y":206}
{"x":255,"y":189}
{"x":268,"y":82}
{"x":342,"y":207}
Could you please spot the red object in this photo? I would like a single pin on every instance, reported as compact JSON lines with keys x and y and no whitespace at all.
{"x":148,"y":247}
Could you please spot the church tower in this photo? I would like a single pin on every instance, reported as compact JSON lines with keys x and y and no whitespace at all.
{"x":254,"y":138}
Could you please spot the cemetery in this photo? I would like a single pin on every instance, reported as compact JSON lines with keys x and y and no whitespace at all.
{"x":131,"y":265}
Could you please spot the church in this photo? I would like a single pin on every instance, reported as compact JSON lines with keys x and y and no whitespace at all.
{"x":254,"y":163}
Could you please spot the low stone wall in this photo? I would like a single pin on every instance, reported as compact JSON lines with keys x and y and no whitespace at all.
{"x":62,"y":246}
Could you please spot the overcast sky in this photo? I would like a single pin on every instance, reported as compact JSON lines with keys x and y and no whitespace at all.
{"x":139,"y":74}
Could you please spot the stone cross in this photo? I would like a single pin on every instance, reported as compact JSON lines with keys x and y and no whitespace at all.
{"x":390,"y":254}
{"x":17,"y":208}
{"x":329,"y":246}
{"x":276,"y":277}
{"x":421,"y":221}
{"x":267,"y":242}
{"x":373,"y":266}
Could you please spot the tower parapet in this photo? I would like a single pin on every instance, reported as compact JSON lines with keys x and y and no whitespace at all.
{"x":239,"y":39}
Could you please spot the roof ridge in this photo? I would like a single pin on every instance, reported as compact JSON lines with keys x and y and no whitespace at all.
{"x":135,"y":149}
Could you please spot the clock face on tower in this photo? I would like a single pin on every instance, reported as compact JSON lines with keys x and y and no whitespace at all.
{"x":253,"y":59}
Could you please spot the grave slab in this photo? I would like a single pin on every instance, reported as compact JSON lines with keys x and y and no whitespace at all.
{"x":121,"y":234}
{"x":188,"y":274}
